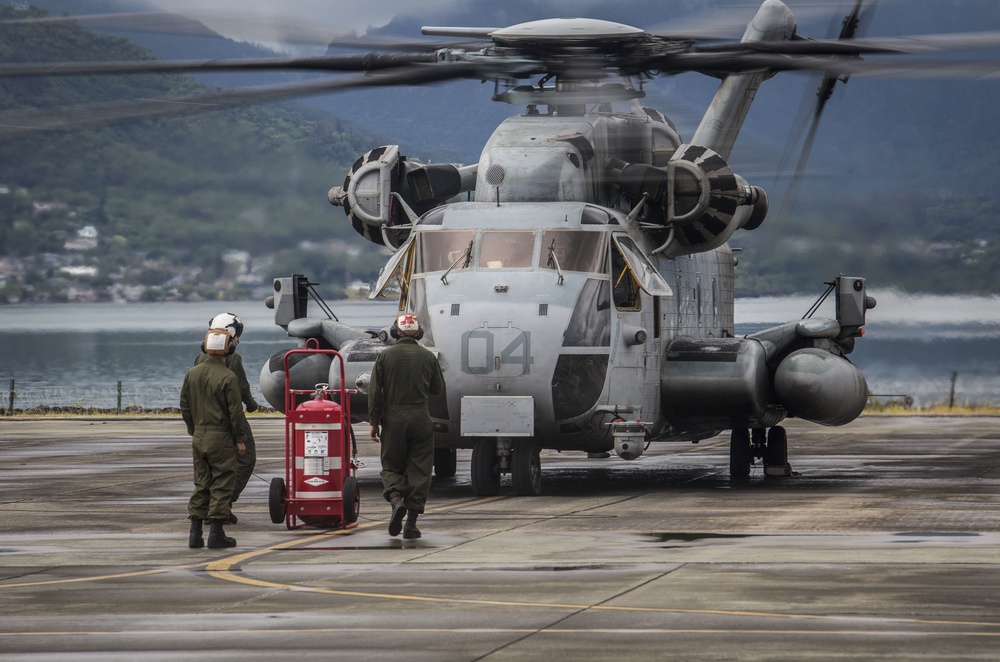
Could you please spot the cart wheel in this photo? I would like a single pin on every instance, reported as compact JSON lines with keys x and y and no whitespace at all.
{"x":352,"y":500}
{"x":276,"y":500}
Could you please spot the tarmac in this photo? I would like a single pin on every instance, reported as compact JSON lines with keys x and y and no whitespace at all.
{"x":883,"y":544}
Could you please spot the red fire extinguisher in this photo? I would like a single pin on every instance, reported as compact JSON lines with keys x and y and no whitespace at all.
{"x":322,"y":489}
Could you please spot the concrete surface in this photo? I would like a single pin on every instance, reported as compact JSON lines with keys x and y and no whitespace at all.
{"x":883,"y":545}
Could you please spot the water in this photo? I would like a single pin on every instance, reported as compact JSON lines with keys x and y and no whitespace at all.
{"x":75,"y":354}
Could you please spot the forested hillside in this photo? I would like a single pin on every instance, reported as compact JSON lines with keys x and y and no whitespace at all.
{"x":900,"y":187}
{"x":199,"y":207}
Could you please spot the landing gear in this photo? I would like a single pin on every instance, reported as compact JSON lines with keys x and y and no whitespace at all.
{"x":769,"y":445}
{"x":485,"y":468}
{"x":776,"y":453}
{"x":740,"y":455}
{"x":526,"y":469}
{"x":445,"y":462}
{"x":491,"y":458}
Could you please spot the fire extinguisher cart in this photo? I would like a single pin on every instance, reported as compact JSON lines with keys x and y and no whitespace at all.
{"x":320,"y":487}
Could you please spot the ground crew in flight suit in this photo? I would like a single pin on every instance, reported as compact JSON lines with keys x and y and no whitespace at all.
{"x":244,"y":463}
{"x":403,"y":378}
{"x":213,"y":412}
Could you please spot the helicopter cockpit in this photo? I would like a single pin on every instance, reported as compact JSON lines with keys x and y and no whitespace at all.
{"x":502,"y":279}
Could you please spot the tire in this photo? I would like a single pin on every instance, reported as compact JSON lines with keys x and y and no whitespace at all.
{"x":776,"y":452}
{"x":352,"y":500}
{"x":485,"y":468}
{"x":526,"y":469}
{"x":739,"y":453}
{"x":276,"y":500}
{"x":445,"y":462}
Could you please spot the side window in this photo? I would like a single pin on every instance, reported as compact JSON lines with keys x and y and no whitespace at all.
{"x":624,"y":286}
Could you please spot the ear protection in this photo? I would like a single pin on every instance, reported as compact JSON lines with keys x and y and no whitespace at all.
{"x":218,"y":342}
{"x":411,"y":327}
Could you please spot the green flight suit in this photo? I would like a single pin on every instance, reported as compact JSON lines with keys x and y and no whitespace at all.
{"x":213,"y":412}
{"x":403,"y":378}
{"x":244,"y":463}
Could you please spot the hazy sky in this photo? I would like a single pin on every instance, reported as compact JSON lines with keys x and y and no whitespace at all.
{"x":267,"y":21}
{"x":317,"y":21}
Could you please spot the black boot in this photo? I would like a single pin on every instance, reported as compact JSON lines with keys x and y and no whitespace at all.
{"x":398,"y":511}
{"x":410,"y":529}
{"x":195,"y":539}
{"x":217,"y":537}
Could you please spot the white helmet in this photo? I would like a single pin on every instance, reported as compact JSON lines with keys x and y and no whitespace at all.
{"x":229,"y":322}
{"x":406,"y":324}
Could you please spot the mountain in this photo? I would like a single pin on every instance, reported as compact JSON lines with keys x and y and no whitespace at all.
{"x":899,"y":186}
{"x":198,"y":207}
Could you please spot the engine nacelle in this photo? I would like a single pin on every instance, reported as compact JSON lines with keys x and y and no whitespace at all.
{"x":368,"y":199}
{"x":698,"y":198}
{"x":821,"y":387}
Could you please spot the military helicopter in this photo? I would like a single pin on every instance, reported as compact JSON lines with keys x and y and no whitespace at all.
{"x":577,"y":282}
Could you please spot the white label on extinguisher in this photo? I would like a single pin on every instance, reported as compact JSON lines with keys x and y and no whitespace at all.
{"x":317,"y":443}
{"x":316,"y":466}
{"x":316,"y":482}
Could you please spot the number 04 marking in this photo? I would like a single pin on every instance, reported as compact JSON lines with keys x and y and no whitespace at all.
{"x":481,"y":344}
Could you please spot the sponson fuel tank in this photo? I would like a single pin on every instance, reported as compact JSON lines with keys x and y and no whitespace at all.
{"x":820,"y":387}
{"x":725,"y":383}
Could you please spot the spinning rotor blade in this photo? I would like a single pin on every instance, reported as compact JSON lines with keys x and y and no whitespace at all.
{"x":365,"y":62}
{"x":848,"y":31}
{"x":22,"y":122}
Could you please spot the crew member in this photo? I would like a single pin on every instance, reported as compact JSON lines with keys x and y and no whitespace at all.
{"x":245,"y":463}
{"x":403,"y":378}
{"x":213,"y":413}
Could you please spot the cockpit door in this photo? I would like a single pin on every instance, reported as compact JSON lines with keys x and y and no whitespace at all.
{"x":645,"y":274}
{"x":398,"y":267}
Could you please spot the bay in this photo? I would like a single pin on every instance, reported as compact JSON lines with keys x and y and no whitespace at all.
{"x":75,"y":354}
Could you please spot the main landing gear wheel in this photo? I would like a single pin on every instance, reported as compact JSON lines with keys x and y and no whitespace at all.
{"x":776,"y":453}
{"x":445,"y":462}
{"x":352,"y":500}
{"x":485,"y":468}
{"x":276,"y":500}
{"x":740,"y":454}
{"x":526,"y":469}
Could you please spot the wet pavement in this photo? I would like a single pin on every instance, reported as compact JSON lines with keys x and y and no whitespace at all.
{"x":884,"y":544}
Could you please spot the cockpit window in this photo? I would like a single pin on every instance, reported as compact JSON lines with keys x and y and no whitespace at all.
{"x":441,"y":249}
{"x":573,"y":250}
{"x":504,"y":250}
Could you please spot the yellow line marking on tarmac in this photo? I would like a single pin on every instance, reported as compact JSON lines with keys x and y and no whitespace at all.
{"x":134,"y":573}
{"x":222,"y":569}
{"x":475,"y":630}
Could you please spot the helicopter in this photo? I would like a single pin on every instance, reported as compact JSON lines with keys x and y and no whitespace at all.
{"x":577,"y":282}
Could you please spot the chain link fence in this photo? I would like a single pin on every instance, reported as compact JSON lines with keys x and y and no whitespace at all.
{"x":120,"y":398}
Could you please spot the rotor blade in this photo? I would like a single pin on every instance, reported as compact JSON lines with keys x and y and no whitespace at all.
{"x":727,"y":63}
{"x":27,"y":121}
{"x":911,"y":45}
{"x":366,"y":62}
{"x":462,"y":33}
